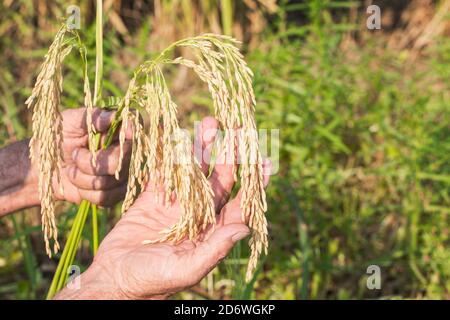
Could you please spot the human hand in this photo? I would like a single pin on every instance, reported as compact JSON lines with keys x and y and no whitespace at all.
{"x":19,"y":177}
{"x":124,"y":268}
{"x":79,"y":178}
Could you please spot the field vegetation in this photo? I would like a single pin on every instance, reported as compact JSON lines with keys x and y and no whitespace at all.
{"x":364,"y":151}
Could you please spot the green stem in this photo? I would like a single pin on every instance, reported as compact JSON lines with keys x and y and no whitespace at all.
{"x":95,"y":239}
{"x":94,"y":230}
{"x":97,"y":98}
{"x":72,"y":246}
{"x":73,"y":250}
{"x":98,"y":53}
{"x":69,"y":243}
{"x":69,"y":252}
{"x":227,"y":16}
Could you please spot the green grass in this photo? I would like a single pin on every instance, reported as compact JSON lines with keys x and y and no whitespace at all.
{"x":363,"y":168}
{"x":363,"y":176}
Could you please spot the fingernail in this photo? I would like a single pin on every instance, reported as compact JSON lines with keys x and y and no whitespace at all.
{"x":209,"y":135}
{"x":104,"y":115}
{"x":239,"y":236}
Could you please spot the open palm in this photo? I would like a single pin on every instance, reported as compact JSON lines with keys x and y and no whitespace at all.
{"x":140,"y":271}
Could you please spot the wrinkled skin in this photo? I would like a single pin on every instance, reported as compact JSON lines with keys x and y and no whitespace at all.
{"x":79,"y":178}
{"x":19,"y":177}
{"x":124,"y":268}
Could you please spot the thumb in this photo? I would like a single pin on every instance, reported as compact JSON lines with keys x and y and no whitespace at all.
{"x":209,"y":253}
{"x":101,"y":119}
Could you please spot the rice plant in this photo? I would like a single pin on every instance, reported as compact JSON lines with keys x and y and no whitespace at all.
{"x":154,"y":155}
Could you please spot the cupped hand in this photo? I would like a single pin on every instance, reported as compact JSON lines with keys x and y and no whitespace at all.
{"x":124,"y":268}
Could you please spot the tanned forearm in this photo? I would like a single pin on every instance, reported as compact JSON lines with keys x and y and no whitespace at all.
{"x":18,"y":181}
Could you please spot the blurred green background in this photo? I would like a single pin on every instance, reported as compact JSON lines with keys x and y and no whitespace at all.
{"x":364,"y":152}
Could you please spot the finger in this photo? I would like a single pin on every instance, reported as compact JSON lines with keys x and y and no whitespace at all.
{"x":74,"y":119}
{"x":104,"y":198}
{"x":209,"y":253}
{"x":85,"y":181}
{"x":222,"y":178}
{"x":107,"y":159}
{"x":102,"y":119}
{"x":232,"y":212}
{"x":204,"y":142}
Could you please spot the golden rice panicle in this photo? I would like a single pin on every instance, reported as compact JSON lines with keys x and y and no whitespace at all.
{"x":182,"y":174}
{"x":161,"y":154}
{"x":222,"y":67}
{"x":46,"y":141}
{"x":138,"y":171}
{"x":253,"y":201}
